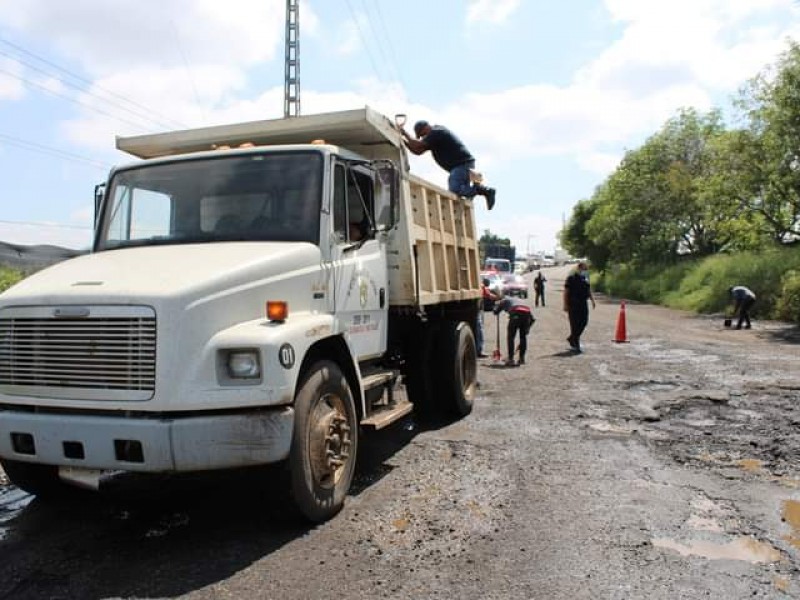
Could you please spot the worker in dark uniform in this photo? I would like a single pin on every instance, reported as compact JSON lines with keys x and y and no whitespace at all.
{"x":577,"y":292}
{"x":743,"y":299}
{"x":520,"y":319}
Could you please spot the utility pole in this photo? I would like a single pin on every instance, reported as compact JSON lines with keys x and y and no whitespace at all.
{"x":291,"y":84}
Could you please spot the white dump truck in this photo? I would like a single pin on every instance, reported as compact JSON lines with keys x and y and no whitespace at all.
{"x":256,"y":293}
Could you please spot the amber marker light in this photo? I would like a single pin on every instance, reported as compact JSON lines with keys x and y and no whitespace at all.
{"x":277,"y":310}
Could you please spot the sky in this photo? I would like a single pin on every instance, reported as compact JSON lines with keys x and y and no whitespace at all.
{"x":546,"y":95}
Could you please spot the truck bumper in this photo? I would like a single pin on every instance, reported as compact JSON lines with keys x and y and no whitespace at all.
{"x":147,"y":445}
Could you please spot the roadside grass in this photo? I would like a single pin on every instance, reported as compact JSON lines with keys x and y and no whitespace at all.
{"x":9,"y":277}
{"x":702,"y":286}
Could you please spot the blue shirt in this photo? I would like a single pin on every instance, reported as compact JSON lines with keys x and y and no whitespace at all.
{"x":448,"y":151}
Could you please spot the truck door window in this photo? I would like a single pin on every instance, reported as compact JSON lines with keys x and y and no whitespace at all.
{"x":360,"y":204}
{"x":340,"y":203}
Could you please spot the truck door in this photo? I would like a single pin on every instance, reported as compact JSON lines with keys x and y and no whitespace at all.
{"x":359,"y":261}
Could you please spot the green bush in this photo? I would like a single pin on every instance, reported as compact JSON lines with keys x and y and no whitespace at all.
{"x":646,"y":284}
{"x":787,"y":306}
{"x":9,"y":277}
{"x":702,"y":286}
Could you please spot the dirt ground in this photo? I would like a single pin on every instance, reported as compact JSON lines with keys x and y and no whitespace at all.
{"x":665,"y":467}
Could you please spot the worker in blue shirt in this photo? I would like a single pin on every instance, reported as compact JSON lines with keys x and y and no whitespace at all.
{"x":452,"y":155}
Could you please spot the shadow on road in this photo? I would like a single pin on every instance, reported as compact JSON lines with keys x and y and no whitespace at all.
{"x":163,"y":538}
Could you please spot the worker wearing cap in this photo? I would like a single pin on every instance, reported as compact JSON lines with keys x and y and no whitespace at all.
{"x":452,"y":155}
{"x":520,"y":319}
{"x":743,"y":299}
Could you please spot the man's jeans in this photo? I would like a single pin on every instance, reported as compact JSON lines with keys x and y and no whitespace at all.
{"x":458,"y":182}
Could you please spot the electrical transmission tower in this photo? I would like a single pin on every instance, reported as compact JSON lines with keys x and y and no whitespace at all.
{"x":291,"y":86}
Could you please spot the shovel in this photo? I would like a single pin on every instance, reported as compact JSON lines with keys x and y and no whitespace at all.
{"x":496,"y":354}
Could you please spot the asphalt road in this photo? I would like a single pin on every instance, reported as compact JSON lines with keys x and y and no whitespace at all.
{"x":666,"y":467}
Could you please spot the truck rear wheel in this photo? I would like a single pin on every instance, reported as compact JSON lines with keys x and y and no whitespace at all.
{"x":459,"y":369}
{"x":323,"y":452}
{"x":39,"y":480}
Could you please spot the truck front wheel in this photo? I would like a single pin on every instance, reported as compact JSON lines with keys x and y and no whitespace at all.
{"x":323,"y":452}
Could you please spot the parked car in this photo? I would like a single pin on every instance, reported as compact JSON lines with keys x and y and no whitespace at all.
{"x":515,"y":285}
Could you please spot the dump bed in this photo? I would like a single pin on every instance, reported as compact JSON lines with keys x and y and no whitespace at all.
{"x":432,"y":255}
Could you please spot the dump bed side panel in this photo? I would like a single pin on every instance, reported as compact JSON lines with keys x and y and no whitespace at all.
{"x":434,"y":256}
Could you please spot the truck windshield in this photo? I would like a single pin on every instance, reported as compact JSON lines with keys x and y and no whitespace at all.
{"x":250,"y":197}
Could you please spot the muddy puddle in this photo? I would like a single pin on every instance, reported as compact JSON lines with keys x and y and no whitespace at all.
{"x":791,"y":516}
{"x":746,"y":549}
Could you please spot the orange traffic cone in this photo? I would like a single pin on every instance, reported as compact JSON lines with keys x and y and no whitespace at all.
{"x":621,"y":335}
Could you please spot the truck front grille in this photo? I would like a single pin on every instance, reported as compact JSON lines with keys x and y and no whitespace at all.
{"x":102,"y":351}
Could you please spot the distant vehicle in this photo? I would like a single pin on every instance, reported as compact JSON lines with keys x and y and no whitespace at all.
{"x":500,"y":265}
{"x":520,"y":267}
{"x":515,"y":285}
{"x":496,"y":282}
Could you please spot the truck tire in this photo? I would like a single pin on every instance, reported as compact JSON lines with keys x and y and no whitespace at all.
{"x":459,"y":369}
{"x":325,"y":441}
{"x":39,"y":480}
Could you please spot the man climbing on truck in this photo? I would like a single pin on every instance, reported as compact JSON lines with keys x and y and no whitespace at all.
{"x":452,"y":155}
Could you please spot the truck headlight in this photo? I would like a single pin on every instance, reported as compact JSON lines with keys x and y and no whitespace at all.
{"x":243,"y":364}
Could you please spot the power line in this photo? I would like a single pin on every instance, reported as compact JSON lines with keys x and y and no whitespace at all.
{"x":389,"y":43}
{"x":363,"y":39}
{"x":69,"y":84}
{"x":41,"y":148}
{"x":186,"y":65}
{"x":73,"y":100}
{"x":375,"y":35}
{"x":378,"y":39}
{"x":87,"y":82}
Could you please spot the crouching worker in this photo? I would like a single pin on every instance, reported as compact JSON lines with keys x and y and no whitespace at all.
{"x":520,"y":319}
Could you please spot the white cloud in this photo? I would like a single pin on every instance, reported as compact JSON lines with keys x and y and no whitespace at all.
{"x":11,"y":87}
{"x":601,"y":163}
{"x":493,"y":11}
{"x":668,"y":56}
{"x":348,"y":40}
{"x":235,"y":33}
{"x":51,"y":84}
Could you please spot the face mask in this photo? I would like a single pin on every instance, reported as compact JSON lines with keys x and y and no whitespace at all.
{"x":585,"y":275}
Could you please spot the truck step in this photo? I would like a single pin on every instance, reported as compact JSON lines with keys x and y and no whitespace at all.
{"x":387,"y":415}
{"x":378,"y":379}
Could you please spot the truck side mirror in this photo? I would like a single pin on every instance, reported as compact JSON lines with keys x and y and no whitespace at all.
{"x":387,"y":197}
{"x":99,"y":194}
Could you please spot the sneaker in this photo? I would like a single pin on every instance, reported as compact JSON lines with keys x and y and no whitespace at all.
{"x":521,"y":361}
{"x":489,"y":193}
{"x":510,"y":363}
{"x":572,"y":343}
{"x":482,"y":355}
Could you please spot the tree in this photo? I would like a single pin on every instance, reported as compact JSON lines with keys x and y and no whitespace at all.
{"x":768,"y":182}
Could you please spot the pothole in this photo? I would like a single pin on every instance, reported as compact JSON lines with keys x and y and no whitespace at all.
{"x":746,"y":549}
